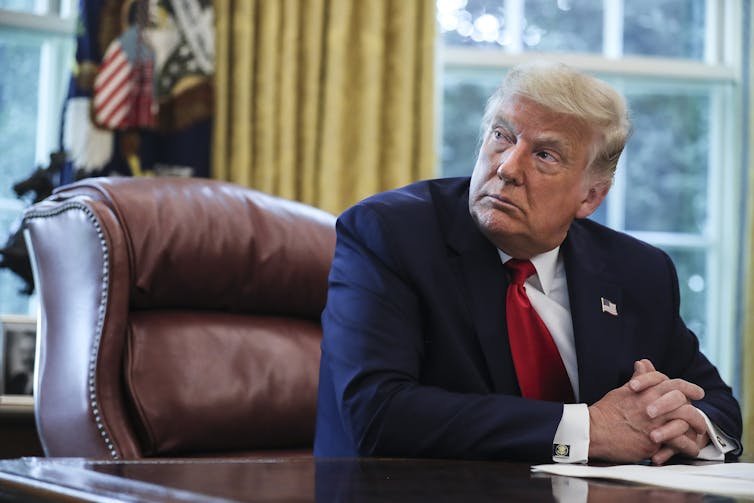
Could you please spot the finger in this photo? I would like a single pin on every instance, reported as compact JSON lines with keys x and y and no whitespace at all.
{"x":695,"y":420}
{"x":693,"y":417}
{"x":684,"y":444}
{"x":702,"y":440}
{"x":669,"y":430}
{"x":668,"y":426}
{"x":647,"y":365}
{"x":645,"y":381}
{"x":638,"y":368}
{"x":642,"y":367}
{"x":691,"y":390}
{"x":666,"y":403}
{"x":662,"y":456}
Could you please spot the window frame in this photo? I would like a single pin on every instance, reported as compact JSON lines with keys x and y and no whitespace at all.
{"x":723,"y":63}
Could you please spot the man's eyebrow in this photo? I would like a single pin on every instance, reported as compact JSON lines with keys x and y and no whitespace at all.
{"x":499,"y":121}
{"x":552,"y":141}
{"x":546,"y":140}
{"x":561,"y":145}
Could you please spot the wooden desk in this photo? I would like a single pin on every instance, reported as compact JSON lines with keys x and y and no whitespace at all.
{"x":306,"y":479}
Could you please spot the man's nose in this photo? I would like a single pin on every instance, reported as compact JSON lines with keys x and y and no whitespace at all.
{"x":511,"y":165}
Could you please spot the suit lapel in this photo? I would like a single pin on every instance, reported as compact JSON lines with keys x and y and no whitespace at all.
{"x":484,"y":283}
{"x":598,"y":334}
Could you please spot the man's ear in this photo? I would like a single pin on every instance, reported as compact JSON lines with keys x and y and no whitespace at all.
{"x":594,"y":197}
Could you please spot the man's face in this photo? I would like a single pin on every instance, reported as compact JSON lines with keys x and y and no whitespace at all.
{"x":530,"y":179}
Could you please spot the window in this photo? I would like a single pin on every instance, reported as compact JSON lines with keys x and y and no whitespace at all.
{"x":36,"y":50}
{"x":680,"y":65}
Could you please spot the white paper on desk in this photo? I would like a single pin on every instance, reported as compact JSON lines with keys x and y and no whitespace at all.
{"x":730,"y":479}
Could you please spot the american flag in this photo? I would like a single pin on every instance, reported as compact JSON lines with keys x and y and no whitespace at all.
{"x":609,"y":306}
{"x":123,"y":96}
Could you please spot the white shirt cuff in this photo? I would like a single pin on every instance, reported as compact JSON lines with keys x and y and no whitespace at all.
{"x":719,"y":444}
{"x":571,"y":442}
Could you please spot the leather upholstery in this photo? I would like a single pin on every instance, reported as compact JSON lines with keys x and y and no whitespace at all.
{"x":177,"y":317}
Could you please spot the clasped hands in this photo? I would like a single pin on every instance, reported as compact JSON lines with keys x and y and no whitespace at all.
{"x":649,"y":417}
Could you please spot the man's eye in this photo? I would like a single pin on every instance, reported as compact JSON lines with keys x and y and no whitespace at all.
{"x":498,"y":135}
{"x":546,"y":156}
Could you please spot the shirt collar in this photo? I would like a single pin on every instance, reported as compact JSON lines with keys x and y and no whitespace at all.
{"x":545,"y":264}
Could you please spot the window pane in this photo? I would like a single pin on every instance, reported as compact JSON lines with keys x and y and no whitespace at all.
{"x":548,"y":25}
{"x":463,"y":106}
{"x":666,"y":162}
{"x":600,"y":214}
{"x":558,"y":26}
{"x":472,"y":22}
{"x":18,"y":119}
{"x":692,"y":281}
{"x":667,"y":28}
{"x":18,"y":110}
{"x":19,"y":5}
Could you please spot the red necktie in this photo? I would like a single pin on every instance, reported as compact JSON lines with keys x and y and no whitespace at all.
{"x":539,"y":368}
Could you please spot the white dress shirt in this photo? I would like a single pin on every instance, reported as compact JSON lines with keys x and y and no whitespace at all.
{"x":548,"y":293}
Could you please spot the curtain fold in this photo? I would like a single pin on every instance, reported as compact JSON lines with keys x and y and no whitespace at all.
{"x":324,"y":101}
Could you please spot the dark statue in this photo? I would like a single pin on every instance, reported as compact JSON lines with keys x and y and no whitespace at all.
{"x":39,"y":184}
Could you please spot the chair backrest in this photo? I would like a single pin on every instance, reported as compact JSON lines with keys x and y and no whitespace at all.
{"x":177,"y":317}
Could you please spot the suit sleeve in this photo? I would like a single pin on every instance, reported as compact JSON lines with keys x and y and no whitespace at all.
{"x":373,"y":347}
{"x":688,"y":362}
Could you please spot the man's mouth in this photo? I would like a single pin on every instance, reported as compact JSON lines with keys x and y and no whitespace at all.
{"x":503,"y":202}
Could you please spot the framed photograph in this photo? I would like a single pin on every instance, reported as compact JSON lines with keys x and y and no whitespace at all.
{"x":18,"y":341}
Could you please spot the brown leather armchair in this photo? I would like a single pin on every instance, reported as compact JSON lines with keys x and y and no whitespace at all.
{"x":178,"y":317}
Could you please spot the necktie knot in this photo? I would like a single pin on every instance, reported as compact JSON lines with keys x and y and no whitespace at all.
{"x":520,"y":270}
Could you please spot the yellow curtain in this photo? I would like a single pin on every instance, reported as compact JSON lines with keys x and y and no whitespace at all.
{"x":324,"y":101}
{"x":747,"y":360}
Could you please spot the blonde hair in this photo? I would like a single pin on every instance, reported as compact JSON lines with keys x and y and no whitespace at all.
{"x":563,"y":89}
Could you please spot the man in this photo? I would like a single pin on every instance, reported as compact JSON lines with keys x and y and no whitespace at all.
{"x":434,"y":346}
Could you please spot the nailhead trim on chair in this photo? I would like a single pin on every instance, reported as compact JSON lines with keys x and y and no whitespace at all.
{"x":101,"y":310}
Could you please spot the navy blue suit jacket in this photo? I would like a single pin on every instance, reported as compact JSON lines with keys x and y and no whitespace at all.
{"x":415,"y":355}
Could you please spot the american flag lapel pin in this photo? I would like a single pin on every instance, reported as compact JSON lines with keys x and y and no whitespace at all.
{"x":609,"y":306}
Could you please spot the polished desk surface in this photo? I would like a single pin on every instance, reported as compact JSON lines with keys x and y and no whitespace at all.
{"x":304,"y":478}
